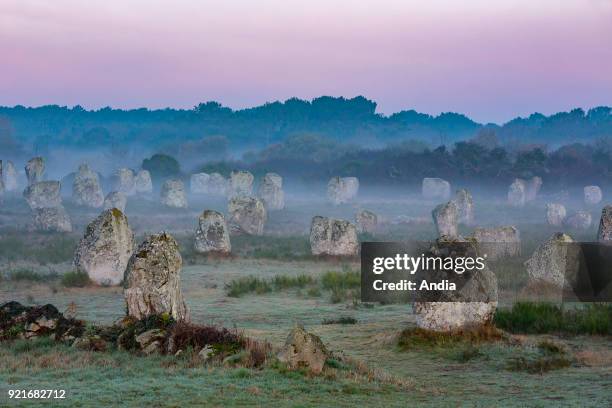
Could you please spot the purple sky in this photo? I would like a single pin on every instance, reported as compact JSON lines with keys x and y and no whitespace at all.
{"x":492,"y":60}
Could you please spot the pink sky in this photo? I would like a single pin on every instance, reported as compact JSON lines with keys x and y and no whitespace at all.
{"x":492,"y":60}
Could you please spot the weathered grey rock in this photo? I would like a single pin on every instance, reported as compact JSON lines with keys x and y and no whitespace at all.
{"x":241,"y":183}
{"x":271,"y":192}
{"x":532,"y":189}
{"x":549,"y":261}
{"x":341,"y":190}
{"x":124,"y":181}
{"x":86,"y":190}
{"x":106,"y":247}
{"x":153,"y":279}
{"x":579,"y":220}
{"x":329,"y":236}
{"x":498,"y":242}
{"x":604,"y":233}
{"x":35,"y":170}
{"x":445,"y":219}
{"x":555,"y":214}
{"x":1,"y":182}
{"x":173,"y":194}
{"x":212,"y":234}
{"x":9,"y":176}
{"x":198,"y":183}
{"x":592,"y":195}
{"x":474,"y":301}
{"x":247,"y":215}
{"x":303,"y":350}
{"x":43,"y":194}
{"x":517,"y":193}
{"x":465,"y":206}
{"x":53,"y":219}
{"x":434,"y":188}
{"x":218,"y":185}
{"x":366,"y":221}
{"x":115,"y":199}
{"x":143,"y":183}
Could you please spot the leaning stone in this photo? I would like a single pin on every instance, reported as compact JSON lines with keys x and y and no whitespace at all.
{"x":434,"y":188}
{"x":303,"y":350}
{"x":555,"y":214}
{"x":43,"y":194}
{"x":198,"y":183}
{"x":465,"y":206}
{"x":143,"y":183}
{"x":9,"y":175}
{"x":53,"y":219}
{"x":499,"y":242}
{"x":517,"y":193}
{"x":341,"y":190}
{"x":124,"y":181}
{"x":579,"y":220}
{"x":549,"y":261}
{"x":604,"y":232}
{"x":153,"y":279}
{"x":445,"y":219}
{"x":333,"y":237}
{"x":86,"y":190}
{"x":271,"y":192}
{"x":247,"y":215}
{"x":532,"y":189}
{"x":592,"y":195}
{"x":173,"y":194}
{"x":366,"y":221}
{"x":106,"y":247}
{"x":115,"y":199}
{"x":212,"y":234}
{"x":35,"y":170}
{"x":241,"y":183}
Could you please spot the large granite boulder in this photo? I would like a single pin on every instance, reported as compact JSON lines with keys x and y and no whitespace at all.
{"x":241,"y":183}
{"x":517,"y":195}
{"x":53,"y":219}
{"x":555,"y":214}
{"x":143,"y":183}
{"x":173,"y":194}
{"x":86,"y":190}
{"x":152,"y":283}
{"x":303,"y":350}
{"x":247,"y":215}
{"x":549,"y":261}
{"x":333,"y":237}
{"x":212,"y":234}
{"x":115,"y":199}
{"x":366,"y":221}
{"x":592,"y":195}
{"x":434,"y":188}
{"x":465,"y":206}
{"x":498,"y":242}
{"x":198,"y":183}
{"x":43,"y":194}
{"x":124,"y":181}
{"x":271,"y":191}
{"x":445,"y":218}
{"x":9,"y":176}
{"x":604,"y":233}
{"x":106,"y":247}
{"x":35,"y":170}
{"x":532,"y":189}
{"x":579,"y":220}
{"x":341,"y":190}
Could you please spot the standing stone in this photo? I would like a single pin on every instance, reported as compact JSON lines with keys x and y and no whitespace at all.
{"x":579,"y":220}
{"x":498,"y":242}
{"x":445,"y":219}
{"x":212,"y":234}
{"x":173,"y":194}
{"x":153,"y":279}
{"x":532,"y":189}
{"x":1,"y":182}
{"x":303,"y":350}
{"x":241,"y":183}
{"x":465,"y":206}
{"x":115,"y":199}
{"x":592,"y":195}
{"x":329,"y":236}
{"x":143,"y":183}
{"x":125,"y":181}
{"x":271,"y":192}
{"x":549,"y":261}
{"x":434,"y":188}
{"x":9,"y":176}
{"x":35,"y":170}
{"x":516,"y":193}
{"x":198,"y":183}
{"x":106,"y":247}
{"x":247,"y":215}
{"x":86,"y":188}
{"x":53,"y":219}
{"x":366,"y":221}
{"x":43,"y":194}
{"x":218,"y":185}
{"x":555,"y":214}
{"x":341,"y":190}
{"x":605,"y":225}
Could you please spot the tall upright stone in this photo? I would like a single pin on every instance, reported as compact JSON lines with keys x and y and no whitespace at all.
{"x":366,"y":221}
{"x":592,"y":195}
{"x":465,"y":206}
{"x":152,"y":283}
{"x":549,"y":262}
{"x":247,"y":215}
{"x":341,"y":190}
{"x":271,"y":191}
{"x":124,"y":181}
{"x":333,"y":237}
{"x":445,"y":219}
{"x":143,"y":183}
{"x":212,"y":235}
{"x":533,"y":187}
{"x":498,"y":242}
{"x":43,"y":194}
{"x":198,"y":183}
{"x":241,"y":183}
{"x":218,"y":185}
{"x":86,"y":190}
{"x":1,"y":182}
{"x":604,"y":233}
{"x":106,"y":247}
{"x":555,"y":214}
{"x":173,"y":194}
{"x":10,"y":176}
{"x":517,"y":193}
{"x":35,"y":170}
{"x":115,"y":199}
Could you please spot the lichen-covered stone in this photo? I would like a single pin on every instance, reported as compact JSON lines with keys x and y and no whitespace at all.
{"x":333,"y":237}
{"x":241,"y":183}
{"x":43,"y":194}
{"x":106,"y":247}
{"x":445,"y":219}
{"x":592,"y":195}
{"x":143,"y":183}
{"x":498,"y":242}
{"x":153,"y":279}
{"x":303,"y":350}
{"x":124,"y":181}
{"x":579,"y":220}
{"x":212,"y":234}
{"x":271,"y":191}
{"x":86,"y":190}
{"x":35,"y":170}
{"x":247,"y":215}
{"x":434,"y":188}
{"x":366,"y":221}
{"x":173,"y":194}
{"x":532,"y":188}
{"x":9,"y":176}
{"x":465,"y":206}
{"x":517,"y":193}
{"x":549,"y":261}
{"x":53,"y":219}
{"x":604,"y":233}
{"x":555,"y":214}
{"x":341,"y":190}
{"x":115,"y":199}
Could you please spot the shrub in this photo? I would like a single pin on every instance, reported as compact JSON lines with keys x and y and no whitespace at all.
{"x":75,"y":279}
{"x":341,"y":320}
{"x":418,"y":338}
{"x":31,"y":275}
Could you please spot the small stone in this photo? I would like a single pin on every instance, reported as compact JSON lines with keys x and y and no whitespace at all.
{"x":173,"y":194}
{"x":333,"y":237}
{"x":206,"y":353}
{"x":247,"y":215}
{"x":149,"y":336}
{"x":303,"y":350}
{"x":498,"y":242}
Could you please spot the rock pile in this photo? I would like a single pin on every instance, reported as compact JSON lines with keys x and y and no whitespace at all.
{"x":247,"y":215}
{"x":28,"y":322}
{"x":271,"y":192}
{"x":434,"y":188}
{"x":341,"y":190}
{"x":592,"y":195}
{"x":173,"y":194}
{"x":35,"y":170}
{"x":498,"y":242}
{"x":333,"y":237}
{"x":212,"y":234}
{"x":86,"y":190}
{"x":115,"y":199}
{"x":555,"y":214}
{"x":445,"y":219}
